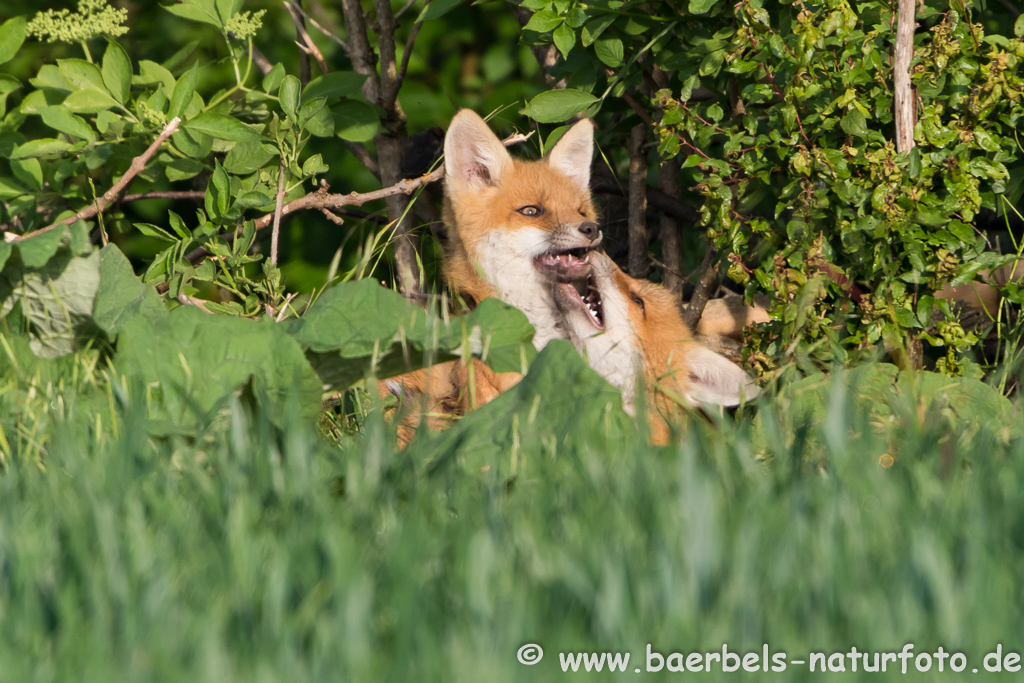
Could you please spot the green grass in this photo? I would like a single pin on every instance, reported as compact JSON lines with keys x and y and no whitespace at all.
{"x":248,"y":552}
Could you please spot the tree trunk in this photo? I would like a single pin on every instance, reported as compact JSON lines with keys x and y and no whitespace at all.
{"x":637,"y":224}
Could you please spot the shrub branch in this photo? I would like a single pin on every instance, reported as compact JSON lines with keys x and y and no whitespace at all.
{"x":137,"y":166}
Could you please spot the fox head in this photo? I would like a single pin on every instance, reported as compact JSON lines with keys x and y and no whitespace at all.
{"x":627,"y":326}
{"x":516,"y":226}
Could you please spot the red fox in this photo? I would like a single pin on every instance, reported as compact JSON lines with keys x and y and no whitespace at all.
{"x":625,"y":327}
{"x":516,"y":226}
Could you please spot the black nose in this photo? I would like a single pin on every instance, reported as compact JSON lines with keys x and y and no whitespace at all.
{"x":589,"y":230}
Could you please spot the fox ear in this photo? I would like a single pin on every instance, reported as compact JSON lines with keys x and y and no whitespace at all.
{"x":716,"y":379}
{"x":573,"y":153}
{"x":473,"y":155}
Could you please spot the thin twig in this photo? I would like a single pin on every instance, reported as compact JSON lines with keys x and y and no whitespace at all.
{"x":322,"y":199}
{"x":137,"y":166}
{"x":405,"y":8}
{"x":318,"y":27}
{"x":410,"y":41}
{"x":184,"y":194}
{"x":192,"y":301}
{"x":307,"y":45}
{"x":277,"y":213}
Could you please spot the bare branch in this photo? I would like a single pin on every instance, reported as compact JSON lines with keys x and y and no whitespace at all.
{"x":405,"y":8}
{"x":408,"y":50}
{"x":318,"y":27}
{"x":137,"y":166}
{"x":184,"y":194}
{"x":322,"y":199}
{"x":359,"y":151}
{"x":192,"y":301}
{"x":277,"y":213}
{"x":261,"y":62}
{"x":671,"y":242}
{"x":307,"y":45}
{"x":903,"y":89}
{"x":701,"y":294}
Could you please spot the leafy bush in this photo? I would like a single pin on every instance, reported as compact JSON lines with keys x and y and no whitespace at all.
{"x":783,"y":116}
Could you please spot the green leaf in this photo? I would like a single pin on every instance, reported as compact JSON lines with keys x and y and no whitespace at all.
{"x":355,"y":121}
{"x":12,"y":35}
{"x":195,"y":13}
{"x":555,"y":106}
{"x":322,"y":124}
{"x":272,"y":81}
{"x":117,"y":72}
{"x":155,"y":231}
{"x":41,"y":147}
{"x":10,"y":189}
{"x":854,"y":123}
{"x":56,"y":295}
{"x":333,"y":84}
{"x":314,"y":165}
{"x":214,"y":356}
{"x":151,"y":72}
{"x":178,"y":226}
{"x":564,"y":38}
{"x":121,"y":295}
{"x":289,"y":96}
{"x":247,"y":157}
{"x":221,"y":127}
{"x":89,"y":101}
{"x":609,"y":51}
{"x":61,"y":119}
{"x":702,"y":6}
{"x":5,"y":251}
{"x":543,"y":21}
{"x":28,"y":171}
{"x":36,"y":251}
{"x":183,"y":91}
{"x":81,"y":74}
{"x":437,"y":8}
{"x":228,"y":8}
{"x":183,"y":169}
{"x":1018,"y":28}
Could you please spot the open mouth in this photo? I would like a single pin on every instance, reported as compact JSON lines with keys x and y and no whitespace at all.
{"x":584,"y":294}
{"x":566,"y":264}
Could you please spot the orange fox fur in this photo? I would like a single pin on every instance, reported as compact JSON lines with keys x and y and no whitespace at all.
{"x":443,"y":392}
{"x":643,"y":335}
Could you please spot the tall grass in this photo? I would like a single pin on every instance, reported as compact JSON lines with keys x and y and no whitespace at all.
{"x":252,"y":553}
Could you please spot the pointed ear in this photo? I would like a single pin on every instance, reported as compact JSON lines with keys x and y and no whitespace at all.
{"x":573,"y":153}
{"x":473,"y":155}
{"x":716,"y":379}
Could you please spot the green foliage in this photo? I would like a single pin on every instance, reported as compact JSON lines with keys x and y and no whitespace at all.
{"x":782,"y":115}
{"x":246,"y":550}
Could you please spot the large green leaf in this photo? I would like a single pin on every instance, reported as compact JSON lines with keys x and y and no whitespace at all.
{"x":221,"y":127}
{"x":194,"y":361}
{"x":362,"y":320}
{"x":555,"y":106}
{"x":12,"y":35}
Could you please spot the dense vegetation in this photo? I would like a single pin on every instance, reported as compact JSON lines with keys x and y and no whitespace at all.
{"x":180,"y":498}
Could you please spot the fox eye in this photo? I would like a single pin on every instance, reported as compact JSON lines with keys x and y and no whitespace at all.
{"x":531,"y":210}
{"x":638,"y":301}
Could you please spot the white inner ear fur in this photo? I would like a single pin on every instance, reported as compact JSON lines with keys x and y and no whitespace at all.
{"x":716,"y":379}
{"x":573,"y":153}
{"x":473,"y":155}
